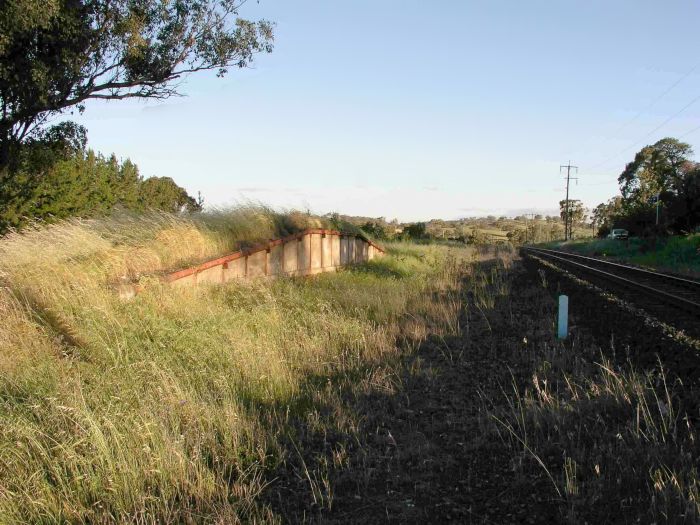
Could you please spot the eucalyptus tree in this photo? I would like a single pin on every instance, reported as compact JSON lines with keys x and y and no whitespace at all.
{"x":656,"y":169}
{"x":55,"y":55}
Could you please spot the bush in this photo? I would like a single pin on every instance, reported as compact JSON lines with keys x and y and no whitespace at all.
{"x":56,"y":178}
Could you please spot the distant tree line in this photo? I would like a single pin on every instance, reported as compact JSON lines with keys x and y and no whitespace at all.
{"x":55,"y":176}
{"x":476,"y":231}
{"x":376,"y":230}
{"x":659,"y":193}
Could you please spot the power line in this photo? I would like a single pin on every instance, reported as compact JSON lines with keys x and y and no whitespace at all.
{"x":599,"y":183}
{"x":657,"y":128}
{"x":650,"y":105}
{"x":680,"y":137}
{"x":689,"y":132}
{"x":657,"y":99}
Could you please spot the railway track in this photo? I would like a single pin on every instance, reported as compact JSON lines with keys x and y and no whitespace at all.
{"x":673,"y":299}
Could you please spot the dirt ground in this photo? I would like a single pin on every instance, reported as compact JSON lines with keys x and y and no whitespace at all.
{"x":427,"y":452}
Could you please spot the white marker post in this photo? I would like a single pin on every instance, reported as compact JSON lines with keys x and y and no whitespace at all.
{"x":563,"y":326}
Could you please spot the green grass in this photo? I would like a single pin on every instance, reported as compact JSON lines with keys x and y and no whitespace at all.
{"x":679,"y":254}
{"x":176,"y":405}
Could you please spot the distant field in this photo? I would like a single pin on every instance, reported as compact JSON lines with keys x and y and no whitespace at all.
{"x":488,"y":234}
{"x":493,"y":232}
{"x":677,"y":254}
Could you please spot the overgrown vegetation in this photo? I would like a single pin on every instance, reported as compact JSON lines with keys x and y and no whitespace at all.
{"x":500,"y":422}
{"x":173,"y":407}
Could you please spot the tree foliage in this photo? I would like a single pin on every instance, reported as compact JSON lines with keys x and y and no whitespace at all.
{"x":577,"y":211}
{"x":58,"y":178}
{"x":416,"y":230}
{"x":605,"y":213}
{"x":661,"y":179}
{"x":57,"y":54}
{"x":655,"y":169}
{"x":375,"y":230}
{"x":477,"y":237}
{"x":162,"y":193}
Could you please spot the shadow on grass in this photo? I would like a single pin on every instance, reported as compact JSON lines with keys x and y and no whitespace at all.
{"x":412,"y":439}
{"x":402,"y":440}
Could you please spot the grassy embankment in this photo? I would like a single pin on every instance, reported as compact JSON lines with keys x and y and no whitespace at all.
{"x":175,"y":406}
{"x":679,"y":254}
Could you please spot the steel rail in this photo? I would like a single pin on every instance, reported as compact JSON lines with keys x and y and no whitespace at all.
{"x":649,"y":289}
{"x":674,"y":278}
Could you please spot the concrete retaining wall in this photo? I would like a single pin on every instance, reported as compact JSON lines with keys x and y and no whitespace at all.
{"x":305,"y":253}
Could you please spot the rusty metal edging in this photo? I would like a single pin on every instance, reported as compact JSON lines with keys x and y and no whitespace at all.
{"x":186,"y":272}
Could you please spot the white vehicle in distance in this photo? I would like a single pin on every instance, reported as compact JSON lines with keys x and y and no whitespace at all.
{"x":619,"y":233}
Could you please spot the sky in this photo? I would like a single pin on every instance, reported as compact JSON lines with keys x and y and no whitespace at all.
{"x":418,"y":110}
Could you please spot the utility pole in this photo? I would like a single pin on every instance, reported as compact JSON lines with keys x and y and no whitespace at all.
{"x":658,"y":197}
{"x":525,"y":215}
{"x":527,"y":234}
{"x":567,"y":215}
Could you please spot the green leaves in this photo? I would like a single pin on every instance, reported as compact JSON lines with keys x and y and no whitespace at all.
{"x":577,"y":211}
{"x":658,"y":192}
{"x":57,"y":178}
{"x":57,"y":54}
{"x":655,"y":169}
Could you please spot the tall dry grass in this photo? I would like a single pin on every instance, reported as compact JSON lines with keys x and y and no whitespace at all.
{"x":174,"y":406}
{"x":614,"y":442}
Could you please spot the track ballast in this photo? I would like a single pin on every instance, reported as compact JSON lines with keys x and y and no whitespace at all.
{"x":671,"y":298}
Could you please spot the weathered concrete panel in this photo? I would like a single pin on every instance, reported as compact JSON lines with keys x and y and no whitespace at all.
{"x":186,"y":281}
{"x":351,"y":250}
{"x":304,"y":259}
{"x":257,"y":263}
{"x":212,"y":275}
{"x":335,"y":250}
{"x":274,"y":265}
{"x":315,"y":245}
{"x":290,"y":256}
{"x":234,"y":269}
{"x":326,"y":247}
{"x":358,"y":250}
{"x":344,"y":252}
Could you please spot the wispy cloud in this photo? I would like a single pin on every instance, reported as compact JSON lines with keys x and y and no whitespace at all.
{"x":539,"y":211}
{"x":253,"y":189}
{"x":162,"y":108}
{"x":477,"y":210}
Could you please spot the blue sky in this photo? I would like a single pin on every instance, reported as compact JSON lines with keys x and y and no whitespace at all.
{"x":420,"y":110}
